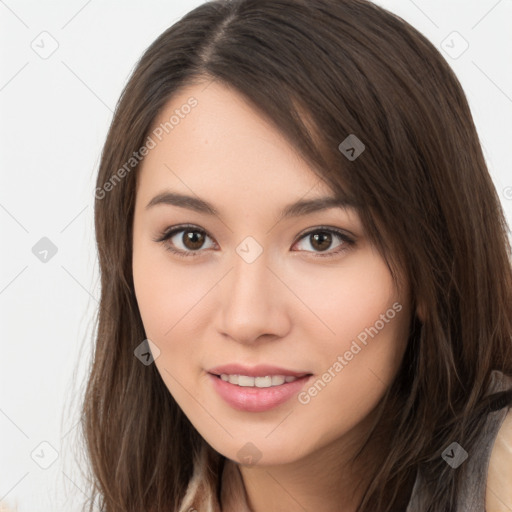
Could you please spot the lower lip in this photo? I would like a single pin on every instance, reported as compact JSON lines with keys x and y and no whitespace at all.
{"x":253,"y":399}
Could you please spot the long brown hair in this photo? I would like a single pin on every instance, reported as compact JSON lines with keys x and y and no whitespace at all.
{"x":320,"y":70}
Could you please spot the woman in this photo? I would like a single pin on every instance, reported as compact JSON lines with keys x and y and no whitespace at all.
{"x":334,"y":330}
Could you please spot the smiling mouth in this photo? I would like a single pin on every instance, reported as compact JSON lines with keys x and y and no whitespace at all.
{"x":266,"y":381}
{"x":260,"y":393}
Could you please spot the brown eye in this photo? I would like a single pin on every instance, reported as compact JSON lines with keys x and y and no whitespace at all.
{"x":184,"y":240}
{"x":321,"y":240}
{"x":193,"y":240}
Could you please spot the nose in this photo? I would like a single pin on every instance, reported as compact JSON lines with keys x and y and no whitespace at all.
{"x":253,"y":302}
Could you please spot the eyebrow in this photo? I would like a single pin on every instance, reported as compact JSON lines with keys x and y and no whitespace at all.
{"x":297,"y":209}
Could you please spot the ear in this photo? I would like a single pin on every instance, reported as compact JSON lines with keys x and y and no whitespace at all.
{"x":420,"y":311}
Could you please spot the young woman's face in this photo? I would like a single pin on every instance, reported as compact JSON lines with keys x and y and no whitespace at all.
{"x":249,"y":287}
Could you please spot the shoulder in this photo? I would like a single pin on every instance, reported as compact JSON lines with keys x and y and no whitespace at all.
{"x":498,"y":497}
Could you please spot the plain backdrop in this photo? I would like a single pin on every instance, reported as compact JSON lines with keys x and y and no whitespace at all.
{"x":63,"y":66}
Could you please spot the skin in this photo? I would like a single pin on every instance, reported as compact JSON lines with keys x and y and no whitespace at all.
{"x":290,"y":307}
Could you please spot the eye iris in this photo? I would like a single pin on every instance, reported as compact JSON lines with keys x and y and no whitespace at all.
{"x":322,"y":236}
{"x":193,"y":237}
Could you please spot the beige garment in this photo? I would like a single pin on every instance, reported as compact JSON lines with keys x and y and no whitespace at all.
{"x":498,"y":497}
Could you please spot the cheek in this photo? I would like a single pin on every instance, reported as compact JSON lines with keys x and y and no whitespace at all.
{"x":352,"y":380}
{"x":164,"y":297}
{"x":346,"y":299}
{"x":360,"y":352}
{"x":166,"y":292}
{"x":171,"y":299}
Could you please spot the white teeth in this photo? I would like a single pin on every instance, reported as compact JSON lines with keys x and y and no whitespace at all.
{"x":277,"y":380}
{"x":263,"y":382}
{"x":244,"y":380}
{"x":258,"y":382}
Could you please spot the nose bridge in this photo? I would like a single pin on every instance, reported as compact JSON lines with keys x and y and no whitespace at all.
{"x":250,"y":278}
{"x":249,"y":302}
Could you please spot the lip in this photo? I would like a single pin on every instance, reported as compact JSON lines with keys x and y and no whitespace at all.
{"x":253,"y":399}
{"x":261,"y":370}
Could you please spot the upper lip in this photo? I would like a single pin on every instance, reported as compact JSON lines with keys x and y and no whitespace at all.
{"x":261,"y":370}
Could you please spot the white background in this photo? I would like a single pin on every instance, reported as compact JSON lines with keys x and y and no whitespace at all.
{"x":54,"y":116}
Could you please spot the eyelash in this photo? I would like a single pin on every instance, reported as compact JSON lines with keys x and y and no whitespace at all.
{"x":170,"y":232}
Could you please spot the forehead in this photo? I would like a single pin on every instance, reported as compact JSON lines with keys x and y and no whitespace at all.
{"x":209,"y":138}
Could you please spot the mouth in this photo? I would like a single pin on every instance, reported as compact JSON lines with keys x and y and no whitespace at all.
{"x":254,"y":390}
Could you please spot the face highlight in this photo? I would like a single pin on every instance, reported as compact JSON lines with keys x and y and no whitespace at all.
{"x":227,"y":271}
